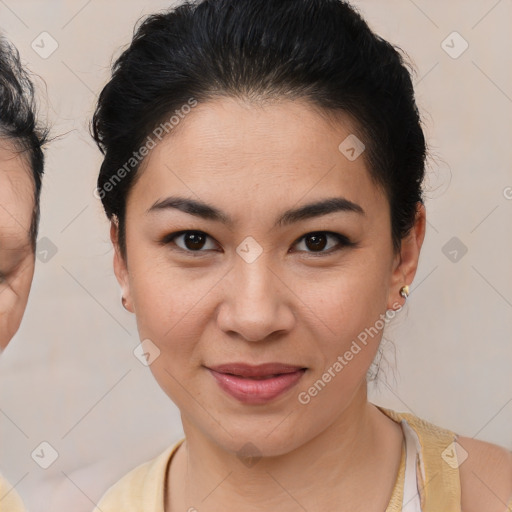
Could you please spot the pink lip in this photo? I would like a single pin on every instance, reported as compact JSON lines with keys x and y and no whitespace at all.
{"x":256,"y":384}
{"x":260,"y":370}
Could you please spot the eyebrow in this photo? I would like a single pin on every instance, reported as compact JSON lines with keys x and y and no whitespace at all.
{"x":209,"y":212}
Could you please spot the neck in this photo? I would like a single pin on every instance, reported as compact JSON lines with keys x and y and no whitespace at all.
{"x":335,"y":465}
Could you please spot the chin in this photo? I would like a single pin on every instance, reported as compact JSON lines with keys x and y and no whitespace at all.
{"x":254,"y":441}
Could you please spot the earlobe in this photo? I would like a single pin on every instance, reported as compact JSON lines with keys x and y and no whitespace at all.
{"x":120,"y":268}
{"x":406,"y":262}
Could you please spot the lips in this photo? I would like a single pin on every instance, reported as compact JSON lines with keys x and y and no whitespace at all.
{"x":262,"y":371}
{"x":256,"y":384}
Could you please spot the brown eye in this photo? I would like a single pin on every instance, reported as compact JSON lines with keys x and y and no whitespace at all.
{"x":194,"y":241}
{"x":191,"y":241}
{"x":316,"y":242}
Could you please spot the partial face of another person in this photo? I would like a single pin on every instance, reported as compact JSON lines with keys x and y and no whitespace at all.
{"x":246,"y":282}
{"x":16,"y":252}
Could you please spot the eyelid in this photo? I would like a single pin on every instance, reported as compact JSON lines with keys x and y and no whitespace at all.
{"x":168,"y":239}
{"x":343,"y":241}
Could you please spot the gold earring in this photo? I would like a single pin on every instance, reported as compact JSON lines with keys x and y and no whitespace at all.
{"x":404,"y":291}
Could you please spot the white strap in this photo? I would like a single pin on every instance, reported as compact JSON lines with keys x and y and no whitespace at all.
{"x":411,"y":502}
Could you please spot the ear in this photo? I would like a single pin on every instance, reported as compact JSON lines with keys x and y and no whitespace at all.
{"x":120,"y":266}
{"x":406,"y":261}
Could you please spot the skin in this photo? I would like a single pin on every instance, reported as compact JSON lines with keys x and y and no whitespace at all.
{"x":16,"y":253}
{"x":290,"y":305}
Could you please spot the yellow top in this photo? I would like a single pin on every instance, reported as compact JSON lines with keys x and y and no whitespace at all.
{"x":9,"y":499}
{"x":442,"y":491}
{"x":437,"y":489}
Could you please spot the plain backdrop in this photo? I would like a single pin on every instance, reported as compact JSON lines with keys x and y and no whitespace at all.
{"x":70,"y":378}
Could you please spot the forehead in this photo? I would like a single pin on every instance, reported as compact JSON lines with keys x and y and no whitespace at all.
{"x":230,"y":150}
{"x":16,"y":198}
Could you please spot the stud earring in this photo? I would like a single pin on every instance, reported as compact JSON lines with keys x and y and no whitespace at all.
{"x":404,"y":291}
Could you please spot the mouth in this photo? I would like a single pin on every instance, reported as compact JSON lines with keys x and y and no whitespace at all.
{"x":255,"y":378}
{"x":263,"y":371}
{"x":256,"y":384}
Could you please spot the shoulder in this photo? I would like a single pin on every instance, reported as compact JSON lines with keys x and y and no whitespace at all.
{"x":433,"y":437}
{"x":9,"y":499}
{"x":485,"y":476}
{"x":484,"y":469}
{"x":140,"y":489}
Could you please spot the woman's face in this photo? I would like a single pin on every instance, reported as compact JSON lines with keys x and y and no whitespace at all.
{"x":16,"y":254}
{"x":251,"y":287}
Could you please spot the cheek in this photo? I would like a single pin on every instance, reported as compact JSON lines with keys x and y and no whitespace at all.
{"x":350,"y":308}
{"x":345,"y":354}
{"x":10,"y":315}
{"x":13,"y":300}
{"x":170,"y":309}
{"x":349,"y":298}
{"x":23,"y":280}
{"x":165,"y":314}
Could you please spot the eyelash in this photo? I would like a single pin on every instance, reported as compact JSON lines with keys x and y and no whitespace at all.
{"x":343,"y":241}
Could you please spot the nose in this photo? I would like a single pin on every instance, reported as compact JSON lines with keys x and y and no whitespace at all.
{"x":257,"y":303}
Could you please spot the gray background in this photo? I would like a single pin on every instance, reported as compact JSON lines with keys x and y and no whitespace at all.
{"x":69,"y":378}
